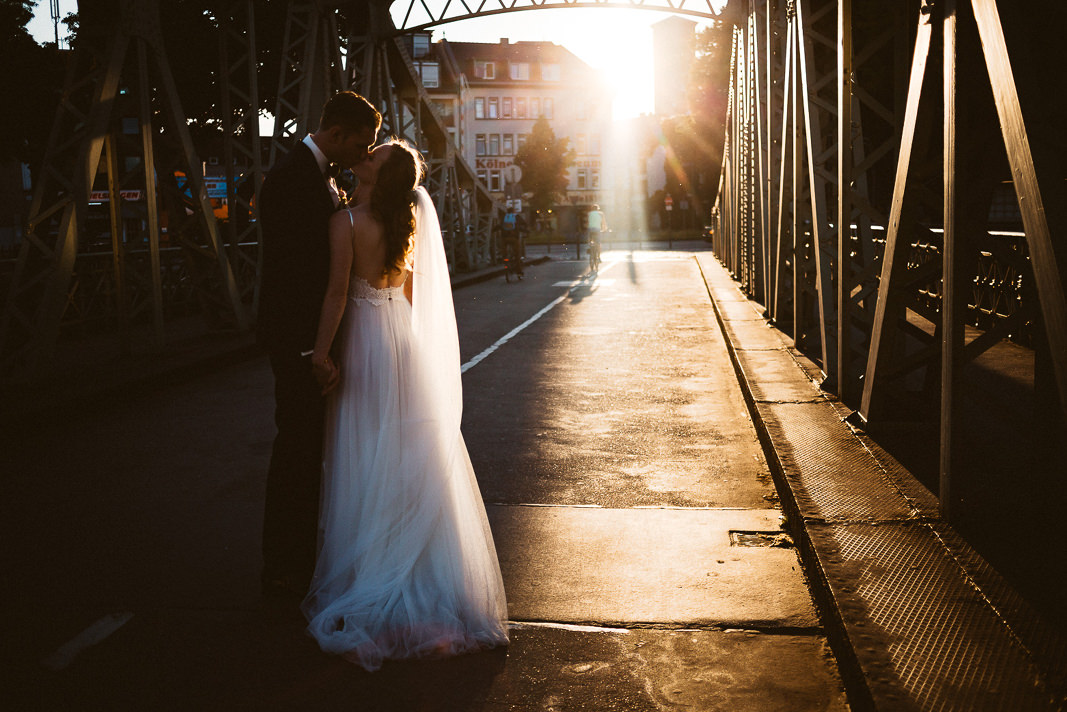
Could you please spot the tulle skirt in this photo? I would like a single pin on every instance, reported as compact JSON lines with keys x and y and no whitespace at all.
{"x":406,"y":567}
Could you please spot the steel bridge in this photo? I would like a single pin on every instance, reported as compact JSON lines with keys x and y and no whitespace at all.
{"x":890,"y":252}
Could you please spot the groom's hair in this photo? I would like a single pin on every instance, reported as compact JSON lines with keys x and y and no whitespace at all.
{"x":350,"y":111}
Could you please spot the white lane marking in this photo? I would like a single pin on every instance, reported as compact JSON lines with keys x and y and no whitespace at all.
{"x":586,"y":280}
{"x":599,"y":283}
{"x":64,"y":655}
{"x":519,"y":625}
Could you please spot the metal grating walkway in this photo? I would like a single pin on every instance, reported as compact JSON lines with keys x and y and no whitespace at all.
{"x":920,"y":620}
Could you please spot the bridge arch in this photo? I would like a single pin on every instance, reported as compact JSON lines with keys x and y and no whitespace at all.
{"x":420,"y":15}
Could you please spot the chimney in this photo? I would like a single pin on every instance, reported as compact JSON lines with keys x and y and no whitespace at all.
{"x":504,"y":41}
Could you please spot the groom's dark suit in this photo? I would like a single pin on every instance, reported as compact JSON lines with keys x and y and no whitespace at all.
{"x":295,"y":206}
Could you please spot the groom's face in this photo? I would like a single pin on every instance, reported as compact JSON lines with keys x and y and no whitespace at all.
{"x":355,"y":146}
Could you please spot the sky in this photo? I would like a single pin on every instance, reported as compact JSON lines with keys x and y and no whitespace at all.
{"x":617,"y":42}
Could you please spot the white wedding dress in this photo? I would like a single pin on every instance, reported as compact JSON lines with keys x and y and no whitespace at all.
{"x":406,"y":567}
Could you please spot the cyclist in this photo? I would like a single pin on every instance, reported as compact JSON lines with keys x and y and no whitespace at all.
{"x":596,"y":224}
{"x":511,"y":228}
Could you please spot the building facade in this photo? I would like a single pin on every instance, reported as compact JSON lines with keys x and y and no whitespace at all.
{"x":490,"y":95}
{"x":673,"y":44}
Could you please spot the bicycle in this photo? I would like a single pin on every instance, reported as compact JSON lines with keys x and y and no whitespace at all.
{"x":594,"y":253}
{"x":512,"y":260}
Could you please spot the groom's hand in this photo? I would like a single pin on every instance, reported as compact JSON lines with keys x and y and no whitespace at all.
{"x":327,"y":375}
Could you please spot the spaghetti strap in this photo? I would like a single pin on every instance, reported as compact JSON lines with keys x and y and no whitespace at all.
{"x":351,"y":220}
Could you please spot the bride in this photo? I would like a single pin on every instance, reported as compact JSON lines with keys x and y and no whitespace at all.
{"x":406,"y":565}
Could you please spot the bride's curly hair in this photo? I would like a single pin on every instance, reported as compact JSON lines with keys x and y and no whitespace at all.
{"x":393,"y":200}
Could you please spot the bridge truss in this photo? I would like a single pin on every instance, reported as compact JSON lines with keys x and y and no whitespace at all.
{"x":120,"y":100}
{"x":832,"y":122}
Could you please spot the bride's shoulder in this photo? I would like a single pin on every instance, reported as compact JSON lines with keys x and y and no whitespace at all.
{"x":358,"y":217}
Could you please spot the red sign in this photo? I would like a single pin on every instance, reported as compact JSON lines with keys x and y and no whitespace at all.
{"x":668,"y":202}
{"x":100,"y":196}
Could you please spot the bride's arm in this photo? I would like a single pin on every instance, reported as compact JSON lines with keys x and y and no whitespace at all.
{"x":333,"y":305}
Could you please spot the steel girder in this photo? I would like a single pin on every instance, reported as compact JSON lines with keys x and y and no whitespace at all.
{"x":423,"y":14}
{"x":242,"y":148}
{"x":311,"y":71}
{"x":781,"y":176}
{"x":55,"y":281}
{"x":834,"y":203}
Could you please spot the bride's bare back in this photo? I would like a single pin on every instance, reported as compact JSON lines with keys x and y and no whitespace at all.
{"x":368,"y":250}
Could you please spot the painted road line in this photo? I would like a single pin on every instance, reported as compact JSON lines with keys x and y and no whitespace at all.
{"x":64,"y":655}
{"x":571,"y":286}
{"x":599,"y":283}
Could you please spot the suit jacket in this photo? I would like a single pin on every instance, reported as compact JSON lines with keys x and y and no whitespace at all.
{"x":295,"y":206}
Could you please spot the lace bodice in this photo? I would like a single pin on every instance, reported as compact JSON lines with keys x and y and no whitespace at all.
{"x":361,"y":291}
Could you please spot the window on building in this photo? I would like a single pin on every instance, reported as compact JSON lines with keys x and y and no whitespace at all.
{"x":581,"y":178}
{"x":535,"y":108}
{"x":444,"y":108}
{"x":548,"y":108}
{"x":594,"y":178}
{"x":520,"y":70}
{"x":550,"y":72}
{"x":494,"y":144}
{"x":494,"y":107}
{"x":479,"y":108}
{"x":494,"y":181}
{"x":520,"y":141}
{"x":506,"y":107}
{"x":420,"y":45}
{"x":483,"y":177}
{"x":582,"y":147}
{"x":484,"y":70}
{"x":594,"y":144}
{"x":430,"y":74}
{"x":520,"y":108}
{"x":479,"y":145}
{"x":509,"y":144}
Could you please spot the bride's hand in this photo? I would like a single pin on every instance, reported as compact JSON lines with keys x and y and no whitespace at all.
{"x":327,"y":375}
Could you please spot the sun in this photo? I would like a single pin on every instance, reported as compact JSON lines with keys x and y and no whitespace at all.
{"x":618,"y":44}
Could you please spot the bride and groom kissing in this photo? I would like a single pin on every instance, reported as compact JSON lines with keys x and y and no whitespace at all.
{"x":373,"y":515}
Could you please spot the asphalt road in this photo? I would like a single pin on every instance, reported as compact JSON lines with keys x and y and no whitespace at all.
{"x":622,"y":477}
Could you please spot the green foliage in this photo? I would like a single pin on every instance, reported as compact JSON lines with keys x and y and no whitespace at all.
{"x":544,"y":160}
{"x":191,"y":32}
{"x":30,"y":81}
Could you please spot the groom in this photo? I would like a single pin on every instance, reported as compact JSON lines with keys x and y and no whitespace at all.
{"x":296,"y":201}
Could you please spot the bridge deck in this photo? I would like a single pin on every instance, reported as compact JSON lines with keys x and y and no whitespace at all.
{"x":621,"y":469}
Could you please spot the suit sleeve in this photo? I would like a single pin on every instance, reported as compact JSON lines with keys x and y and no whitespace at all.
{"x":295,"y":257}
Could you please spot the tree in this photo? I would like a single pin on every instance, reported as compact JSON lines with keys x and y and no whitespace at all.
{"x":544,"y":160}
{"x":30,"y":82}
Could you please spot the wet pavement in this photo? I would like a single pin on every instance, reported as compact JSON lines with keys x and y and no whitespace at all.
{"x":624,"y":481}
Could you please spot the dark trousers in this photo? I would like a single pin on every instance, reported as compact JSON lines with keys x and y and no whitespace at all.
{"x":291,"y":513}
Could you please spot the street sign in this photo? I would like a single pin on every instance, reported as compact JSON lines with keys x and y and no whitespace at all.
{"x":512,"y":174}
{"x":668,"y":203}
